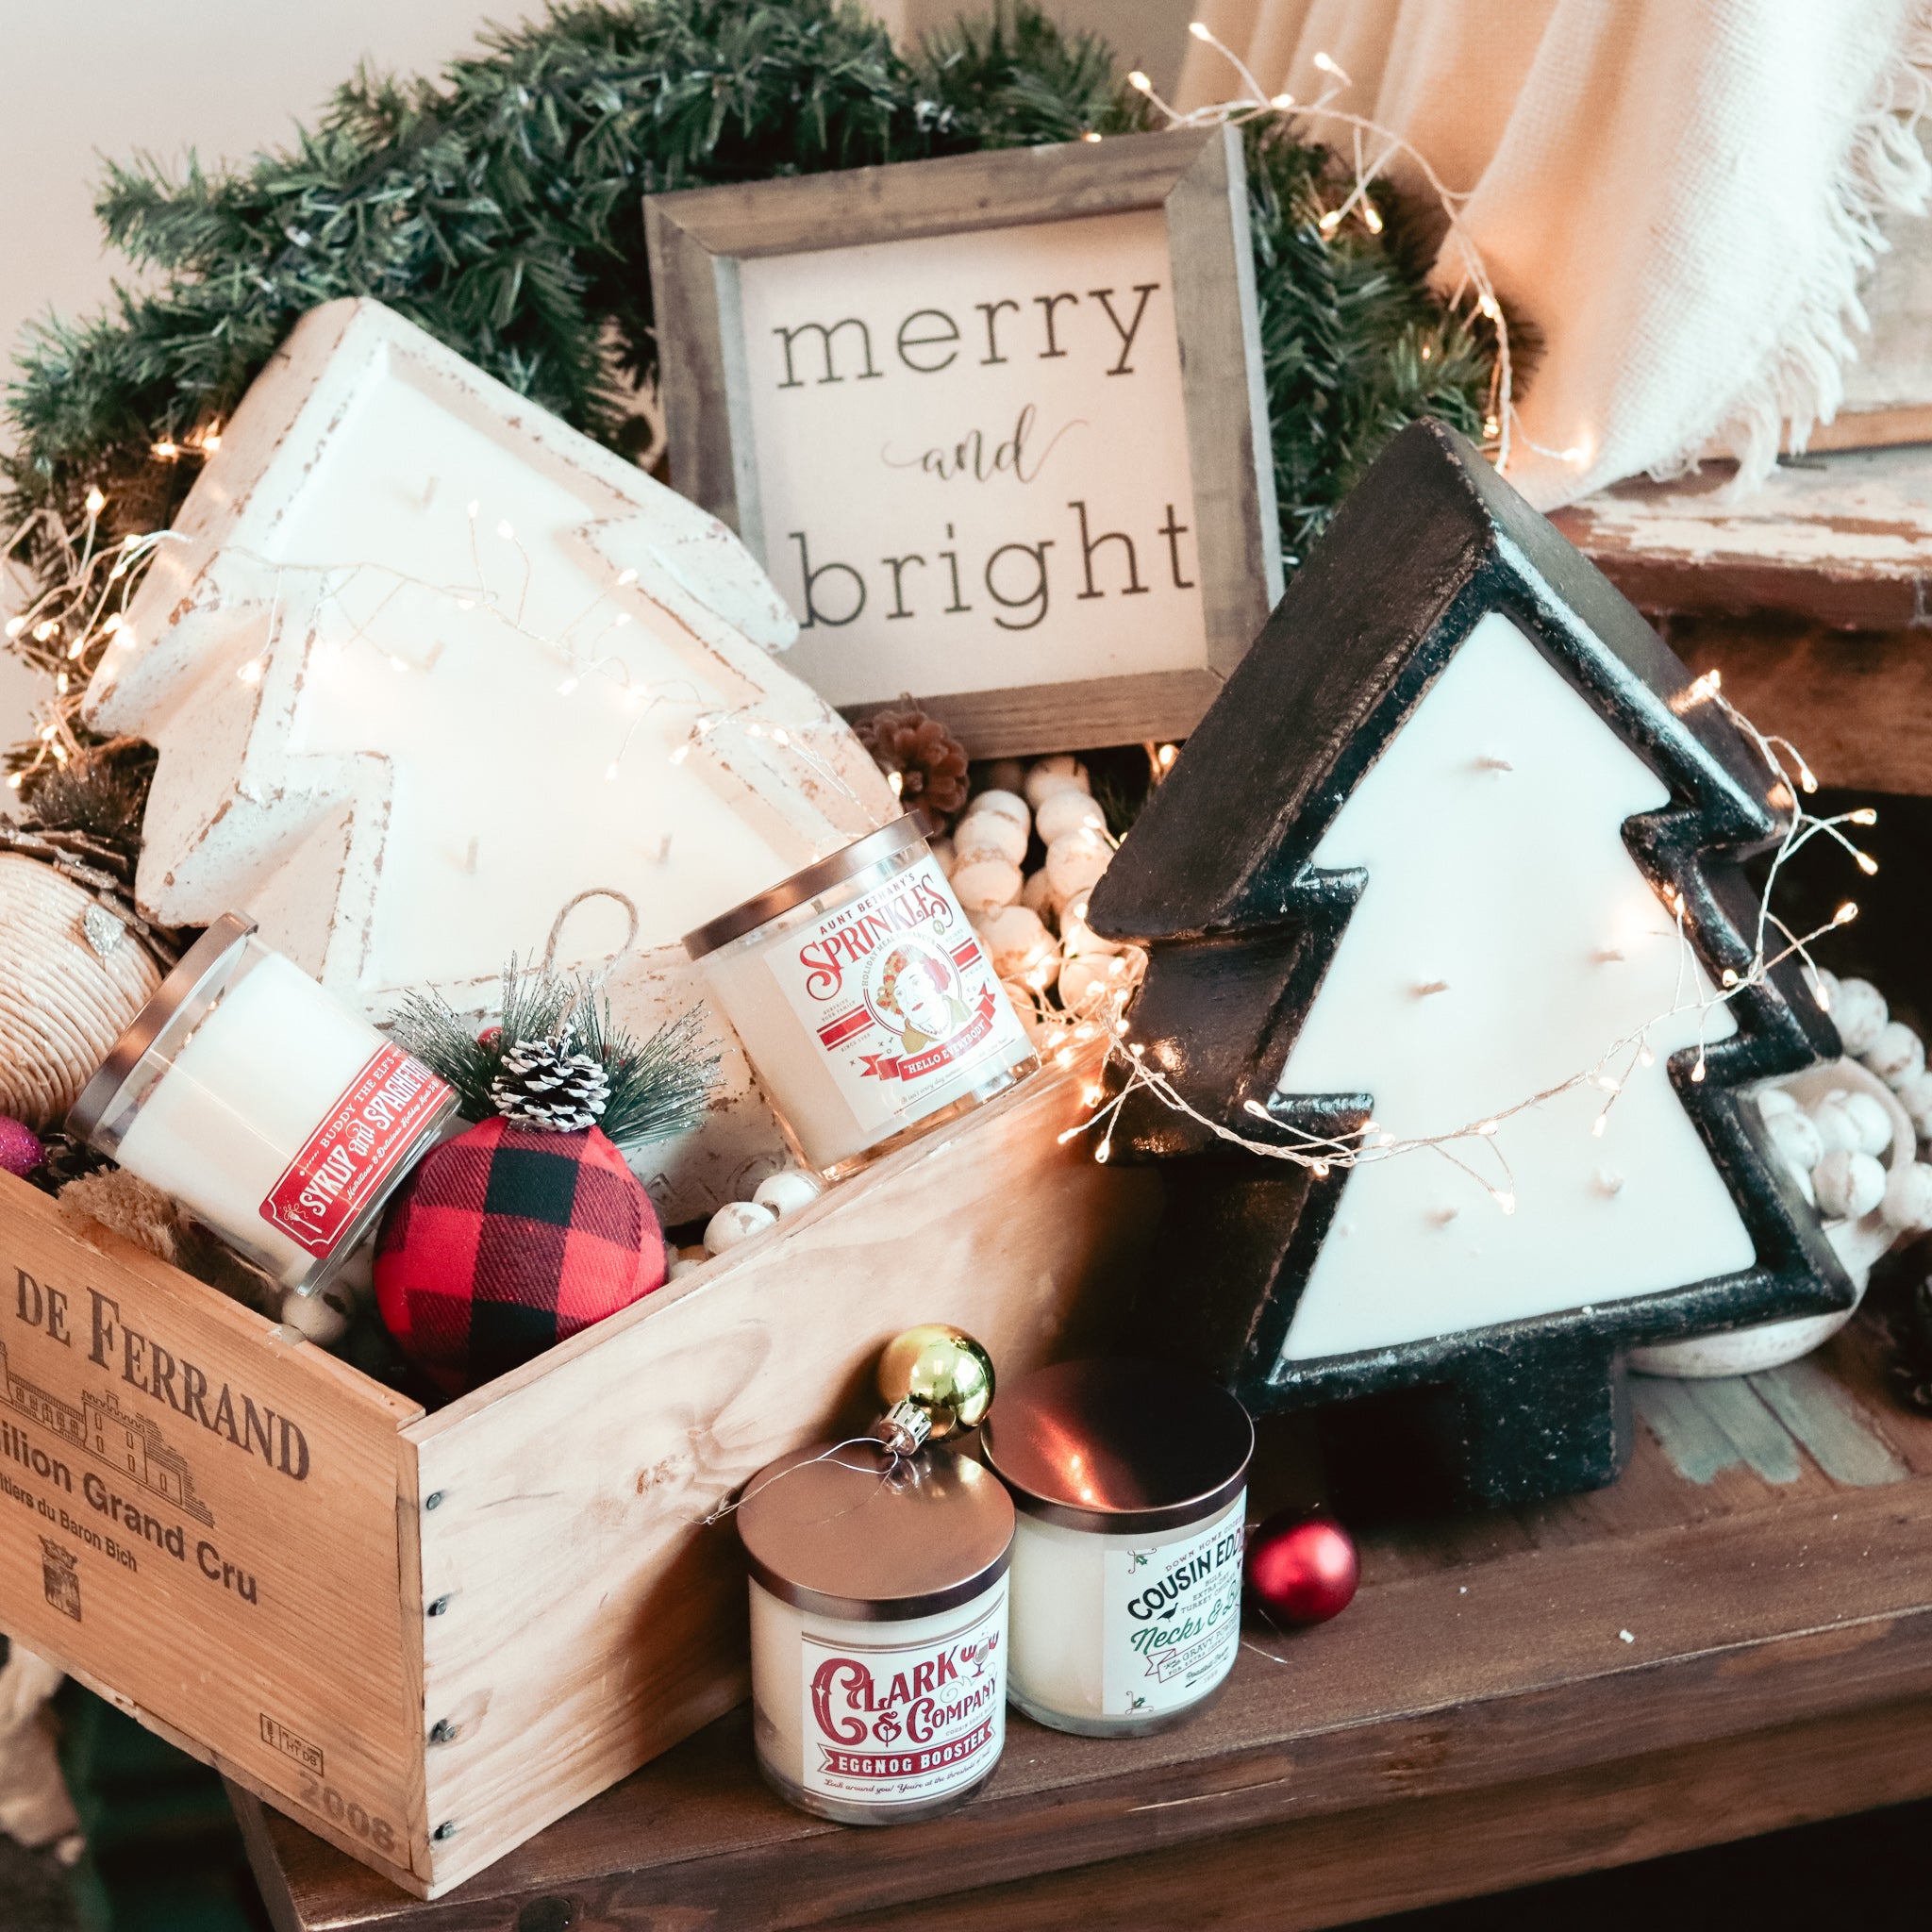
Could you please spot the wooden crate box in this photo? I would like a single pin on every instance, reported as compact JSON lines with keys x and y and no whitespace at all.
{"x":425,"y":1637}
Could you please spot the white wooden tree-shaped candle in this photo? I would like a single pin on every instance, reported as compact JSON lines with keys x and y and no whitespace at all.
{"x":1446,"y":911}
{"x":425,"y":666}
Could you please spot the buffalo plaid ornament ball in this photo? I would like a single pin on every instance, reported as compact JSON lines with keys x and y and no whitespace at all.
{"x":507,"y":1239}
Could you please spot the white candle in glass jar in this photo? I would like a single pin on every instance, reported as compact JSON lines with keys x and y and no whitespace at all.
{"x":878,"y":1629}
{"x":1130,"y":1481}
{"x":271,"y":1113}
{"x":865,"y":999}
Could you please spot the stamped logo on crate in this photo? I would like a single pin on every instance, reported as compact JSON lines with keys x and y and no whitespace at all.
{"x":179,"y":1483}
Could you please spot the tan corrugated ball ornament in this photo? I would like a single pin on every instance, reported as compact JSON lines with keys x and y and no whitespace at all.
{"x":72,"y":977}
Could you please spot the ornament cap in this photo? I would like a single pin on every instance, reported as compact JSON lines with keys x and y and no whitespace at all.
{"x":1123,"y":1447}
{"x":855,"y":1531}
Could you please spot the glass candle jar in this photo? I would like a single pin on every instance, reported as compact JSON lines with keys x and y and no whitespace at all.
{"x":864,"y":1000}
{"x":1130,"y":1478}
{"x":277,"y":1117}
{"x":878,"y":1629}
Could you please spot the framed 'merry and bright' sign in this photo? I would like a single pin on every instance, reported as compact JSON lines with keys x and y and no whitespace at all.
{"x":994,"y":424}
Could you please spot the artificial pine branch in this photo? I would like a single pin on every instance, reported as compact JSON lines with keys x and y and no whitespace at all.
{"x":658,"y":1086}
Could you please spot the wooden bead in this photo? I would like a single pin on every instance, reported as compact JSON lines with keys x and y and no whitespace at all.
{"x":1908,"y":1202}
{"x":321,"y":1319}
{"x":788,"y":1191}
{"x":1061,"y":812}
{"x":1915,"y":1096}
{"x":1773,"y":1101}
{"x":1871,"y":1120}
{"x":1798,"y":1142}
{"x":989,"y":835}
{"x":1838,"y":1132}
{"x":737,"y":1221}
{"x":1036,"y":894}
{"x":1076,"y":861}
{"x":1057,"y":773}
{"x":1092,"y":978}
{"x":1078,"y":938}
{"x":1848,"y":1185}
{"x":981,"y":884}
{"x":1018,"y":942}
{"x":1897,"y":1055}
{"x":1858,"y":1011}
{"x":1004,"y":803}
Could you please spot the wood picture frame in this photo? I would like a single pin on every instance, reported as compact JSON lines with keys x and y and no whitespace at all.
{"x":1109,"y":672}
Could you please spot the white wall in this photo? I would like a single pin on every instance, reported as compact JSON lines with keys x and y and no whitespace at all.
{"x":115,"y":76}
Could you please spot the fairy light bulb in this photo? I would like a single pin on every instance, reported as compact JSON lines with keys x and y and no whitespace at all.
{"x":1140,"y":83}
{"x":96,"y":503}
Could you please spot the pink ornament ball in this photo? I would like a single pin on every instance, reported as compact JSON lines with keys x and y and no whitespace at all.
{"x":1301,"y":1567}
{"x":20,"y":1147}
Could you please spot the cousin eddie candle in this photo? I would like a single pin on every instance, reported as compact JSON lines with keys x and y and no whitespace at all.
{"x":1130,"y":1481}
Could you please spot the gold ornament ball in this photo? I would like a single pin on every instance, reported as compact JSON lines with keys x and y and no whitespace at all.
{"x":943,"y":1371}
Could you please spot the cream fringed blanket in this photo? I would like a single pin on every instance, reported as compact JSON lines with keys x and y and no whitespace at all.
{"x":1681,"y":195}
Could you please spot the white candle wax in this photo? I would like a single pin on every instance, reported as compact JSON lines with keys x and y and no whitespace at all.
{"x":281,"y":1119}
{"x":869,"y":1008}
{"x":1120,"y":1633}
{"x":864,"y":1720}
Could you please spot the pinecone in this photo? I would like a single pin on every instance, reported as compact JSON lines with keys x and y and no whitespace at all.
{"x":541,"y":1083}
{"x":930,"y":761}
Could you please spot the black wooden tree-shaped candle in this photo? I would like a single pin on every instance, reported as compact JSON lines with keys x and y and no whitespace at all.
{"x":1458,"y":830}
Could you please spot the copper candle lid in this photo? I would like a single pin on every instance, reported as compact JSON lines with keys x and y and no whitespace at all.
{"x":871,"y":1538}
{"x":1122,"y":1447}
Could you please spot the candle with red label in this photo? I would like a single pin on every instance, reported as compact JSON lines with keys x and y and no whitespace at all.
{"x":865,"y":999}
{"x":274,"y":1115}
{"x":878,"y":1629}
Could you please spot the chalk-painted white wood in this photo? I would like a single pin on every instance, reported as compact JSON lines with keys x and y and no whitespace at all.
{"x":1504,"y":939}
{"x":1857,"y":1243}
{"x":423,"y":663}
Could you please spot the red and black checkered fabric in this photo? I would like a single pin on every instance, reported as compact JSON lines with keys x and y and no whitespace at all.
{"x":507,"y":1239}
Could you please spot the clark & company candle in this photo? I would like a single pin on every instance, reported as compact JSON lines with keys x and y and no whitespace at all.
{"x":865,"y":1001}
{"x":878,"y":1629}
{"x":1130,"y":1479}
{"x":247,"y":1093}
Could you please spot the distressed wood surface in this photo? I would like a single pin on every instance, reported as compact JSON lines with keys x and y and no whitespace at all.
{"x":1845,"y":539}
{"x":1736,"y":1637}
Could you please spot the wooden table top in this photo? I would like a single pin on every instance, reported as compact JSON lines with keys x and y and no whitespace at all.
{"x":1737,"y":1635}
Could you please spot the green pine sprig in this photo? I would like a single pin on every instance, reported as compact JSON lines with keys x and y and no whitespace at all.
{"x":659,"y":1087}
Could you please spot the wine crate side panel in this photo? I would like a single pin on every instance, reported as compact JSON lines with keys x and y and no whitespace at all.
{"x":202,"y":1517}
{"x":591,"y":1616}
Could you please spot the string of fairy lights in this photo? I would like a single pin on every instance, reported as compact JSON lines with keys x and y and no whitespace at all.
{"x":1773,"y":943}
{"x":1373,"y":148}
{"x":81,"y":616}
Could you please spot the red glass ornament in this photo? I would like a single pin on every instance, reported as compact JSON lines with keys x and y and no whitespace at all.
{"x":1301,"y":1567}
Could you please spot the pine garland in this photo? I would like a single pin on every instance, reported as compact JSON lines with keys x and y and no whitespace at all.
{"x":501,"y":210}
{"x":655,"y":1087}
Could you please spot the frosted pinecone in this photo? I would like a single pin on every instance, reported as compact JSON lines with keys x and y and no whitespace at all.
{"x":541,"y":1083}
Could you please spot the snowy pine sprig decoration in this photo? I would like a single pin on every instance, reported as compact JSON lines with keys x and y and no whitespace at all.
{"x":557,"y":1060}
